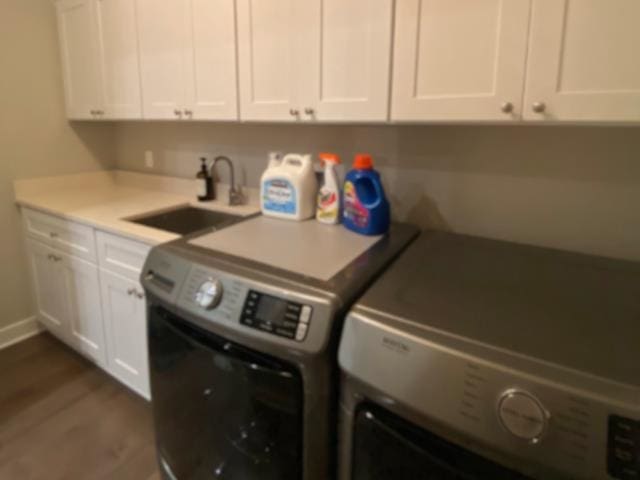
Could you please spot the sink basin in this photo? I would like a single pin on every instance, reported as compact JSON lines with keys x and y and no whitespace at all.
{"x":186,"y":220}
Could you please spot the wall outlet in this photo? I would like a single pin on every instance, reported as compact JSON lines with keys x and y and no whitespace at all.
{"x":148,"y":159}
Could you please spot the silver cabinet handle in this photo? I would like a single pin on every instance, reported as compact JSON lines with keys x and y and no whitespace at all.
{"x":54,"y":258}
{"x":309,"y":111}
{"x":188,"y":112}
{"x":92,"y":112}
{"x":100,"y":112}
{"x":294,"y":112}
{"x":53,"y":235}
{"x":506,"y":107}
{"x":539,"y":107}
{"x":177,"y":112}
{"x":131,"y":291}
{"x":140,"y":295}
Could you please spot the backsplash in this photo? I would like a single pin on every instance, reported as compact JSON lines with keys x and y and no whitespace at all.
{"x":576,"y":188}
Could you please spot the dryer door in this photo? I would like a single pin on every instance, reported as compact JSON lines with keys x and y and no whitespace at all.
{"x":388,"y":447}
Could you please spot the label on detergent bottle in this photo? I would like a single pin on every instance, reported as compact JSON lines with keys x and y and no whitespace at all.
{"x":327,"y":205}
{"x":353,"y":208}
{"x":279,"y":196}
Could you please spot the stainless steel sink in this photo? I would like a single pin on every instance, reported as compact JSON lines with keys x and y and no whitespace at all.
{"x":186,"y":220}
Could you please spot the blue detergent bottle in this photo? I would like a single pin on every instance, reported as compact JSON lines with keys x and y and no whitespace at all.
{"x":365,"y":207}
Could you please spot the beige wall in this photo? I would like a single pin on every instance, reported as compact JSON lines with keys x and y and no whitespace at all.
{"x":575,"y":188}
{"x":35,"y":138}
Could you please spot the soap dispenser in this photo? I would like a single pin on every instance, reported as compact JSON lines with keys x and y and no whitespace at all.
{"x":204,"y":182}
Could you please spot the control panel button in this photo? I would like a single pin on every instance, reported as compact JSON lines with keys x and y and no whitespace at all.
{"x":302,"y":331}
{"x":522,"y":415}
{"x":623,"y":446}
{"x":209,"y":294}
{"x":305,"y":314}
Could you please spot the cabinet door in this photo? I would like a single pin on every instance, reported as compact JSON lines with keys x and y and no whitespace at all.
{"x":80,"y":59}
{"x":82,"y":295}
{"x":459,"y":59}
{"x":211,"y":60}
{"x":161,"y":33}
{"x":583,"y":61}
{"x":49,"y":289}
{"x":345,"y":68}
{"x":125,"y":323}
{"x":118,"y":44}
{"x":268,"y":34}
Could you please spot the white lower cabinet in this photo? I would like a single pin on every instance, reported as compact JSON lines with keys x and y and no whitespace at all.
{"x":49,"y":290}
{"x":124,"y":311}
{"x":89,"y":295}
{"x":68,"y":297}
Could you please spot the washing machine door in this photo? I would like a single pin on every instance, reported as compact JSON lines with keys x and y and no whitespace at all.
{"x":221,"y":411}
{"x":388,"y":447}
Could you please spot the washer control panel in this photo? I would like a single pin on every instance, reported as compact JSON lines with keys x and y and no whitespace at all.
{"x":623,"y":448}
{"x":276,"y":315}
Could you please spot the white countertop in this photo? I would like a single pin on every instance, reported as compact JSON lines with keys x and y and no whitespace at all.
{"x":105,"y":200}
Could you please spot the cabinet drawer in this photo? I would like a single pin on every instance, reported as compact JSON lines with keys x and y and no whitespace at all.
{"x":120,"y":255}
{"x":70,"y":237}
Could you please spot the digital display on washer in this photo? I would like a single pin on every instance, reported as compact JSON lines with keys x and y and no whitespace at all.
{"x":271,"y":309}
{"x":276,"y":315}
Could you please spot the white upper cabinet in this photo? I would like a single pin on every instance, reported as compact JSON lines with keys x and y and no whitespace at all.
{"x":584,"y":61}
{"x":268,"y":34}
{"x":188,"y":59}
{"x":99,"y":50}
{"x":211,"y":60}
{"x":80,"y":58}
{"x":162,"y":39}
{"x":325,"y":60}
{"x":120,"y":69}
{"x":345,"y":67}
{"x":459,"y":60}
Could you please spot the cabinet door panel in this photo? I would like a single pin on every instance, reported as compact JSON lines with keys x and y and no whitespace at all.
{"x":125,"y":323}
{"x":583,"y":60}
{"x":49,"y":289}
{"x":118,"y":42}
{"x":79,"y":54}
{"x":162,"y":45}
{"x":459,"y":59}
{"x":346,"y":66}
{"x":211,"y":60}
{"x":82,"y":289}
{"x":267,"y":36}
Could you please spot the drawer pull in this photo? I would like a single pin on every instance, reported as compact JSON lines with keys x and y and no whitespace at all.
{"x":53,"y":235}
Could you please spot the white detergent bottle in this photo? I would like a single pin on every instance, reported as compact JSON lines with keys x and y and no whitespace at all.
{"x":288,"y":189}
{"x":328,"y":204}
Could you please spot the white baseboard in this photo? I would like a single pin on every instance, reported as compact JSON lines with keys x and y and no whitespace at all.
{"x":16,"y":332}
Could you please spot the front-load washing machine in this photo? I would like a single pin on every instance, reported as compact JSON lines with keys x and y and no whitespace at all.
{"x":480,"y":359}
{"x":243,"y":331}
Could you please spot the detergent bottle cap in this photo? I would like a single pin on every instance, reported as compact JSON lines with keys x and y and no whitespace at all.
{"x":329,"y":158}
{"x":363,"y":161}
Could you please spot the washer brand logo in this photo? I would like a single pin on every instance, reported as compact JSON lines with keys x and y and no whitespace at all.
{"x":395,"y":345}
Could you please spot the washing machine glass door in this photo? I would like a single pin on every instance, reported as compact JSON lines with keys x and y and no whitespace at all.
{"x":387,"y":447}
{"x":221,"y":411}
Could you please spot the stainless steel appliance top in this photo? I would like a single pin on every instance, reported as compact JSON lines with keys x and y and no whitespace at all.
{"x":308,"y":248}
{"x":576,"y":311}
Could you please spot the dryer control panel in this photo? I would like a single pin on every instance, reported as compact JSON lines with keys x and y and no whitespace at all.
{"x":623,"y":448}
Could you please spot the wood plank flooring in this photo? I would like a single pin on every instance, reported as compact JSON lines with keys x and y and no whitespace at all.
{"x":62,"y":418}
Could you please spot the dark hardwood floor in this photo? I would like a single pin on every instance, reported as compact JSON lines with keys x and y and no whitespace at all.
{"x":61,"y":417}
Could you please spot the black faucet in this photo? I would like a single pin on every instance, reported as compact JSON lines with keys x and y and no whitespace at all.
{"x":235,"y":196}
